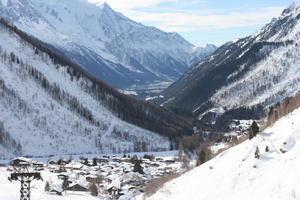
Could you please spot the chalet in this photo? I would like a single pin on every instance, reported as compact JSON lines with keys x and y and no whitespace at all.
{"x":129,"y":188}
{"x":54,"y":168}
{"x":20,"y":161}
{"x":153,"y":164}
{"x":140,"y":183}
{"x":38,"y":164}
{"x":62,"y":168}
{"x":118,"y":160}
{"x":56,"y":192}
{"x":62,"y":162}
{"x":87,"y":169}
{"x":141,"y":190}
{"x":117,"y":170}
{"x":126,"y":160}
{"x":82,"y":173}
{"x":125,"y":171}
{"x":9,"y":169}
{"x":132,"y":188}
{"x":102,"y":160}
{"x":85,"y":161}
{"x":168,"y":168}
{"x":78,"y":187}
{"x":169,"y":161}
{"x":56,"y":188}
{"x":92,"y":179}
{"x":39,"y":168}
{"x":108,"y":180}
{"x":52,"y":162}
{"x":114,"y":191}
{"x":74,"y":166}
{"x":62,"y":176}
{"x":102,"y":189}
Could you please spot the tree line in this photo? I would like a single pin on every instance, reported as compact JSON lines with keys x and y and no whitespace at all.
{"x":283,"y":108}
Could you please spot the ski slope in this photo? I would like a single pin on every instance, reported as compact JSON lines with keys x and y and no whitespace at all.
{"x":236,"y":174}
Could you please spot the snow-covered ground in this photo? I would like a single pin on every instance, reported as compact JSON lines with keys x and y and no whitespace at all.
{"x":11,"y":190}
{"x":273,"y":78}
{"x":41,"y":125}
{"x":236,"y":174}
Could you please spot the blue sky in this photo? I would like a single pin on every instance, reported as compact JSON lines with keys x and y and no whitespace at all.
{"x":203,"y":21}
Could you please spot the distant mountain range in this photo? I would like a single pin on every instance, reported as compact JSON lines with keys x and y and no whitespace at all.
{"x":244,"y":77}
{"x":105,"y":43}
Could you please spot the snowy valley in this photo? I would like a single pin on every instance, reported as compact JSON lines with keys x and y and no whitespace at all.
{"x":265,"y":167}
{"x":228,"y":129}
{"x":50,"y":108}
{"x":123,"y":53}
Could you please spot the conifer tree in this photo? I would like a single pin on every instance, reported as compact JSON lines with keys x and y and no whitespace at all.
{"x":65,"y":184}
{"x":201,"y":158}
{"x":257,"y":154}
{"x":137,"y":165}
{"x":47,"y":187}
{"x":94,"y":190}
{"x":254,"y":129}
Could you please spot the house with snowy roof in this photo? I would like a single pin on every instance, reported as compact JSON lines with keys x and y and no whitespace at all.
{"x":78,"y":187}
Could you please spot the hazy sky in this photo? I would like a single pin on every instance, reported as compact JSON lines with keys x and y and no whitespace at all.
{"x":203,"y":21}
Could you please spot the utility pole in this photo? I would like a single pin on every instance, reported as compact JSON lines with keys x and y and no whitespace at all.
{"x":25,"y":171}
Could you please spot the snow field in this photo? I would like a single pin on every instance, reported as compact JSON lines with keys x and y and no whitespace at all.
{"x":236,"y":174}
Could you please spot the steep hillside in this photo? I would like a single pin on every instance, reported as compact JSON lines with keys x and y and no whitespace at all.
{"x":112,"y":47}
{"x":49,"y":106}
{"x":259,"y":70}
{"x":237,"y":174}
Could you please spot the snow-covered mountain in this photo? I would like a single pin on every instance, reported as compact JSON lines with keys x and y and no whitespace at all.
{"x":261,"y":69}
{"x":112,"y":47}
{"x":237,"y":174}
{"x":49,"y":106}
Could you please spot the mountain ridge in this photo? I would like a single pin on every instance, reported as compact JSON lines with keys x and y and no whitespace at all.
{"x":125,"y":54}
{"x":48,"y":100}
{"x":258,"y":70}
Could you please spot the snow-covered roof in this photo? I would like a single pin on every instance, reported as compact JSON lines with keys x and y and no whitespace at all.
{"x":56,"y":187}
{"x":115,"y":183}
{"x":22,"y":159}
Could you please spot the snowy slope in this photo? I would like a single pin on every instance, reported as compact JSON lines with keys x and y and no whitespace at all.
{"x":44,"y":110}
{"x":236,"y":174}
{"x":261,"y":69}
{"x":107,"y":44}
{"x":280,"y":70}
